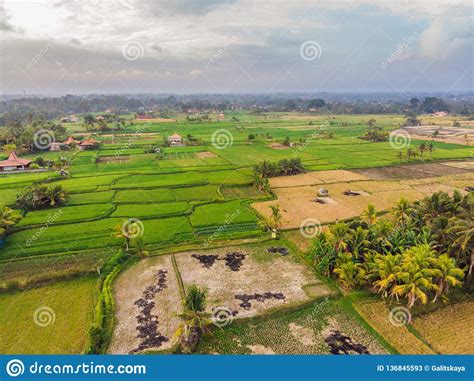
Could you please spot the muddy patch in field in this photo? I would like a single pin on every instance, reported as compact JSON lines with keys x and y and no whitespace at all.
{"x":147,"y":304}
{"x":304,"y":335}
{"x":232,"y":260}
{"x":113,"y":159}
{"x":205,"y":154}
{"x":248,"y":280}
{"x":147,"y":323}
{"x":413,"y":171}
{"x":260,"y":350}
{"x":246,"y":299}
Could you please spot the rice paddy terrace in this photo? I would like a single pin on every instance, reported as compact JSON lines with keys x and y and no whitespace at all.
{"x":201,"y":196}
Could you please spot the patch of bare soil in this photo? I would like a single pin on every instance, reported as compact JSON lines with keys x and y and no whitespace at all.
{"x":240,"y":281}
{"x":461,"y":164}
{"x":113,"y":159}
{"x":278,"y":146}
{"x":260,"y":350}
{"x":413,"y":171}
{"x":232,"y":260}
{"x":304,"y":335}
{"x":343,"y":336}
{"x":205,"y":154}
{"x":246,"y":299}
{"x":147,"y":302}
{"x":147,"y":323}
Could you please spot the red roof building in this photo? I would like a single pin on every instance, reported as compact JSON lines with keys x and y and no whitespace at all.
{"x":14,"y":163}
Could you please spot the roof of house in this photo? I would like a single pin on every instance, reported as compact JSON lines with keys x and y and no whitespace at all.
{"x":70,"y":140}
{"x":89,"y":142}
{"x":175,"y":136}
{"x":14,"y":161}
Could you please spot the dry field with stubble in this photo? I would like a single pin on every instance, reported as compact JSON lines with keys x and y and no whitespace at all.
{"x":381,"y":187}
{"x":246,"y":280}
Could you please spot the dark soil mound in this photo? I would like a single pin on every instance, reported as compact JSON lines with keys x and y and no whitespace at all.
{"x":147,"y":323}
{"x":340,"y":344}
{"x":206,"y":260}
{"x":246,"y":298}
{"x":234,"y":260}
{"x":351,"y":193}
{"x":280,"y":250}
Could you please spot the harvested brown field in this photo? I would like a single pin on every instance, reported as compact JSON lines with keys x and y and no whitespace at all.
{"x":376,"y":313}
{"x":309,"y":178}
{"x":321,"y":328}
{"x":296,"y":195}
{"x":249,"y":280}
{"x":246,"y":281}
{"x":446,"y":134}
{"x":155,"y":120}
{"x":461,"y":164}
{"x":412,"y":171}
{"x":278,"y":146}
{"x":113,"y":159}
{"x":449,"y":330}
{"x":135,"y":290}
{"x":205,"y":154}
{"x":295,"y":210}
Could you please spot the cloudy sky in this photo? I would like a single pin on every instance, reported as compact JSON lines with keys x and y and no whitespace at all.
{"x":235,"y":46}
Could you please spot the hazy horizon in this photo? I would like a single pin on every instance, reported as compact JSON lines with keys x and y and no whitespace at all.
{"x":235,"y":47}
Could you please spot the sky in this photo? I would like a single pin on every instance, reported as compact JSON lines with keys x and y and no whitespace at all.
{"x":235,"y":46}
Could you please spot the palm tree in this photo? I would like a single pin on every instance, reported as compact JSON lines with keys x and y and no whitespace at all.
{"x":422,"y":148}
{"x":430,"y":149}
{"x":402,"y":211}
{"x":358,"y":240}
{"x":195,"y":320}
{"x":415,"y":278}
{"x":384,"y":272}
{"x":350,"y":274}
{"x":337,"y":236}
{"x":370,"y":215}
{"x":448,"y":275}
{"x":120,"y":234}
{"x":8,"y":218}
{"x":463,"y":230}
{"x":9,"y":148}
{"x":400,"y":155}
{"x":276,"y":215}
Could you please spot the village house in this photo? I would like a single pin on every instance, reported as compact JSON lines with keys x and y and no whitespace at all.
{"x":175,"y":140}
{"x":88,"y":144}
{"x":14,"y":163}
{"x":70,"y":119}
{"x":58,"y":146}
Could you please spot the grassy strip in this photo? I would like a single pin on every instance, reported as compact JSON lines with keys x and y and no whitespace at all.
{"x":179,"y":279}
{"x":100,"y":333}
